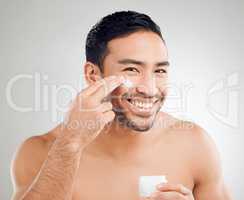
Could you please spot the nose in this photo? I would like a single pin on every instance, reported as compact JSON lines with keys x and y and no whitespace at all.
{"x":147,"y":86}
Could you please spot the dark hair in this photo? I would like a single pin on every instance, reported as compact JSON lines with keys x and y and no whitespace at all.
{"x":113,"y":26}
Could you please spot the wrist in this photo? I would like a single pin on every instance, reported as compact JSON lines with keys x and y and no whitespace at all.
{"x":71,"y":139}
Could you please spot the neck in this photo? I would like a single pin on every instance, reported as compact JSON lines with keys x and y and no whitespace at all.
{"x":119,"y":141}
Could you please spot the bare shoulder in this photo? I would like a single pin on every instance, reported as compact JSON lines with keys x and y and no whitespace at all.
{"x":203,"y":153}
{"x":196,"y":142}
{"x":200,"y":150}
{"x":29,"y":158}
{"x":192,"y":131}
{"x":170,"y":124}
{"x":194,"y":135}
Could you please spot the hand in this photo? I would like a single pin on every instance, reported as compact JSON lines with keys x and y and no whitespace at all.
{"x":167,"y":191}
{"x":88,"y":114}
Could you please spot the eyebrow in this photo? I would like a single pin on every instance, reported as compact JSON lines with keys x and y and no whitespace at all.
{"x":137,"y":62}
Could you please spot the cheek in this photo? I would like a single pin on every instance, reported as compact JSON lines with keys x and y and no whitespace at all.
{"x":117,"y":93}
{"x":162,"y":86}
{"x":163,"y":91}
{"x":162,"y":83}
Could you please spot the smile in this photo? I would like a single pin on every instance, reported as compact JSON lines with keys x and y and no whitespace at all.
{"x":141,"y":107}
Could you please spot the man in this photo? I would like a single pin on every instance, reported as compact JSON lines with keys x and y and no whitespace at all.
{"x":114,"y":133}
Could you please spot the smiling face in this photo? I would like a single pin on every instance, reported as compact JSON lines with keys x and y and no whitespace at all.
{"x":142,"y":58}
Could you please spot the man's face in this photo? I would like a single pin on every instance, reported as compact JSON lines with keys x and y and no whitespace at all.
{"x":142,"y":58}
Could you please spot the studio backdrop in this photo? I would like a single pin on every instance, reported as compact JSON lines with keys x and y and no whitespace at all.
{"x":42,"y":56}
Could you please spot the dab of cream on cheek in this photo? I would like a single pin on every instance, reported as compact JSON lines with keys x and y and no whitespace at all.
{"x":128,"y":83}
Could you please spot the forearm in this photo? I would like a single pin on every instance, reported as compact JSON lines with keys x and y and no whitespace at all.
{"x":56,"y":177}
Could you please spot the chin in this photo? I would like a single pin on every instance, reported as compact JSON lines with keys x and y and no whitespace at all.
{"x":135,"y":122}
{"x":140,"y":125}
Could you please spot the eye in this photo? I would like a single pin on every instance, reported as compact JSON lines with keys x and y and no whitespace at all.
{"x":131,"y":69}
{"x":160,"y":71}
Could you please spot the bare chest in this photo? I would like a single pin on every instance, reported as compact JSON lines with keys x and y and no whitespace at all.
{"x":104,"y":179}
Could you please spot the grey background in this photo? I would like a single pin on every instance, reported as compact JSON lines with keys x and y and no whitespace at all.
{"x":205,"y":41}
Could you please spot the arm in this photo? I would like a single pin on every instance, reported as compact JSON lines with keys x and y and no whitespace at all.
{"x":38,"y":174}
{"x":208,"y":172}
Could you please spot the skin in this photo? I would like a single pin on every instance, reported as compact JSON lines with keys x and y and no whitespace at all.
{"x":104,"y":162}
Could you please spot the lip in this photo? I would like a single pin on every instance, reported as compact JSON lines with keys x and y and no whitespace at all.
{"x":140,"y":112}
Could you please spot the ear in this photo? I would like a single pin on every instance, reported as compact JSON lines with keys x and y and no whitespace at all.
{"x":92,"y":72}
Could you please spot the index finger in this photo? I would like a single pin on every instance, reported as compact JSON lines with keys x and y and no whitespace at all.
{"x":107,"y":86}
{"x":173,"y":187}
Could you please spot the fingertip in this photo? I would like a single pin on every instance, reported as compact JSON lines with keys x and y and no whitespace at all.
{"x":161,"y":185}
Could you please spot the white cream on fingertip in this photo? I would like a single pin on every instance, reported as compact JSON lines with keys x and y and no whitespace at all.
{"x":128,"y":83}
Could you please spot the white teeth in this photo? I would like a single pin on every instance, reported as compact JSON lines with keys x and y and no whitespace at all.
{"x":142,"y":105}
